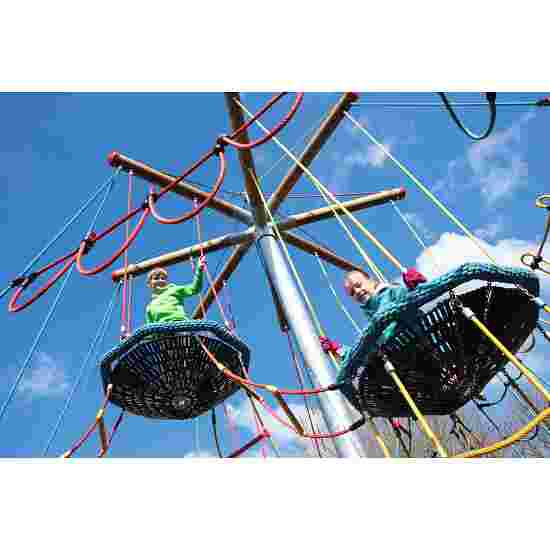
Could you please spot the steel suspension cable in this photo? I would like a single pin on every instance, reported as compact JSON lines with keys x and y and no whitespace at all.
{"x":337,"y":298}
{"x":420,"y":185}
{"x":100,"y":334}
{"x":72,"y":257}
{"x":302,"y":386}
{"x":34,"y":345}
{"x":63,"y":230}
{"x":544,"y":102}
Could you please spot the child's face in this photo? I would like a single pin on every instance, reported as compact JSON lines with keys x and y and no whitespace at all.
{"x":359,"y":287}
{"x":158,"y":279}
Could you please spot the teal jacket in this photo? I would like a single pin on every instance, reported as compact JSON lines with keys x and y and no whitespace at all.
{"x":377,"y":303}
{"x":167,"y":303}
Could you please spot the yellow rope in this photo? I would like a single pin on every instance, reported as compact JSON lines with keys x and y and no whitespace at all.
{"x":390,"y":369}
{"x":510,"y":356}
{"x":288,"y":257}
{"x":372,"y":425}
{"x":509,"y":440}
{"x":422,"y":187}
{"x":339,"y":206}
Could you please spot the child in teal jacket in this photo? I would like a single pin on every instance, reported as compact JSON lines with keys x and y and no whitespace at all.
{"x":167,"y":298}
{"x":372,"y":297}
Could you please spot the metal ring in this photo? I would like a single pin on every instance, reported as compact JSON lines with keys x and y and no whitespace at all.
{"x":543,"y":201}
{"x":530,"y":346}
{"x":539,"y":265}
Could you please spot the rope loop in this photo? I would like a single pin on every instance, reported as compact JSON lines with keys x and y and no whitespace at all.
{"x":230,"y":140}
{"x":491,"y":100}
{"x":93,"y":238}
{"x":88,"y":242}
{"x":24,"y":281}
{"x":153,"y":197}
{"x":543,"y":201}
{"x":14,"y":307}
{"x":534,"y":261}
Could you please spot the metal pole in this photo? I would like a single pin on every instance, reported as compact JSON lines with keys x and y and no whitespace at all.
{"x":334,"y":407}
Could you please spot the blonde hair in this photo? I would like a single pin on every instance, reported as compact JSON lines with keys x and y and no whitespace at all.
{"x":155,"y":270}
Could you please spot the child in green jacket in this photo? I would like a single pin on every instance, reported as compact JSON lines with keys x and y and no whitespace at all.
{"x":167,"y":298}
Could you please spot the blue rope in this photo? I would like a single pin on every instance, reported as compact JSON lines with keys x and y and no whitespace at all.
{"x":36,"y":341}
{"x":99,"y":210}
{"x":6,"y":290}
{"x":63,"y":230}
{"x":98,"y":339}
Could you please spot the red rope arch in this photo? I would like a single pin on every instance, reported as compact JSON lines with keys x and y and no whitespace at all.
{"x":87,"y":243}
{"x":153,"y":197}
{"x":273,"y":132}
{"x":14,"y":307}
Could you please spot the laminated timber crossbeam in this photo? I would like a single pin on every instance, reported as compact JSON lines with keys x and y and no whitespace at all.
{"x":247,"y":236}
{"x":256,"y":219}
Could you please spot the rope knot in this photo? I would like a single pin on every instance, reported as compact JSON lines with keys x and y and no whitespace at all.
{"x":220,"y":143}
{"x":24,"y":281}
{"x":535,"y":262}
{"x":88,"y":242}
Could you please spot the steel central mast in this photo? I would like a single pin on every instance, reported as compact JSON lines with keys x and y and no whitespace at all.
{"x":334,"y":408}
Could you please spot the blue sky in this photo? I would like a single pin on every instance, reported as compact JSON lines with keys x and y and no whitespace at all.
{"x":53,"y":155}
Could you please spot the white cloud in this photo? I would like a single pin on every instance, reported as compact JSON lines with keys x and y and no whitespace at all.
{"x":452,"y":250}
{"x":372,"y":155}
{"x":494,"y":165}
{"x":284,"y":438}
{"x":419,"y":225}
{"x":491,"y":230}
{"x":47,"y":378}
{"x":200,"y":454}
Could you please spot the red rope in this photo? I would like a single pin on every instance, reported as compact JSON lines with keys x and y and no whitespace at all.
{"x":232,"y":427}
{"x":103,"y":452}
{"x":89,"y":431}
{"x":13,"y":307}
{"x":93,"y":238}
{"x":273,"y":132}
{"x":302,"y":386}
{"x":354,"y":426}
{"x":264,"y":109}
{"x":250,"y":444}
{"x":84,"y":246}
{"x":247,"y":382}
{"x":124,"y":315}
{"x":221,"y":175}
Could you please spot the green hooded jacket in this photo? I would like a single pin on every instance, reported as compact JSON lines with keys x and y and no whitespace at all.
{"x":167,"y":303}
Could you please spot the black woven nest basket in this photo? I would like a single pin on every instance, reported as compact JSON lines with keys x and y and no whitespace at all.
{"x":448,"y":361}
{"x":170,"y":376}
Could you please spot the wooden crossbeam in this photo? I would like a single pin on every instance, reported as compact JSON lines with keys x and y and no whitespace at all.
{"x":245,"y":158}
{"x":184,"y":254}
{"x":247,"y":236}
{"x":184,"y":189}
{"x":325,"y":130}
{"x":374,"y":199}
